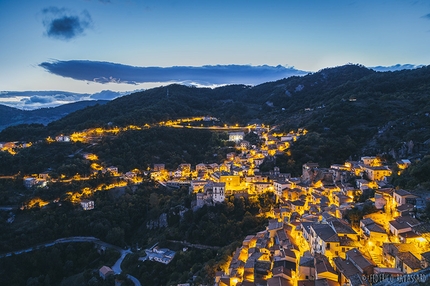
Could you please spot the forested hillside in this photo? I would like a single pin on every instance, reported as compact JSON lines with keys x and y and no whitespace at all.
{"x":351,"y":110}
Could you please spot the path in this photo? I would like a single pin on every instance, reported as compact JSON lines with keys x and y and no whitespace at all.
{"x":116,"y":267}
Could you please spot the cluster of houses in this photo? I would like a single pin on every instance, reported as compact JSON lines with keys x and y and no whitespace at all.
{"x":12,"y":146}
{"x":309,"y":241}
{"x":323,"y":249}
{"x":37,"y":180}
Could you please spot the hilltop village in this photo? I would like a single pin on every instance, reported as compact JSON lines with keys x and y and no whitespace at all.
{"x":315,"y":236}
{"x":331,"y":226}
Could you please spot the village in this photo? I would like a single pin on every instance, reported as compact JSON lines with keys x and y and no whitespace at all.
{"x":308,"y":240}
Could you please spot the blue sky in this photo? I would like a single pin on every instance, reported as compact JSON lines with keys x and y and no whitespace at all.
{"x":92,"y":37}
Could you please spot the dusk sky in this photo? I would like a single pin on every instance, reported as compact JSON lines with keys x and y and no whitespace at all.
{"x":86,"y":46}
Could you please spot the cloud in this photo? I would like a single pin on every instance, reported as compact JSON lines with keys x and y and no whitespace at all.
{"x":106,"y":95}
{"x":37,"y":99}
{"x":106,"y":72}
{"x":426,"y":16}
{"x":397,"y":67}
{"x":29,"y":100}
{"x":61,"y":24}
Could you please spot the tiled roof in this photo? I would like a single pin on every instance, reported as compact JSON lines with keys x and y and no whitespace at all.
{"x":325,"y":232}
{"x":409,"y":259}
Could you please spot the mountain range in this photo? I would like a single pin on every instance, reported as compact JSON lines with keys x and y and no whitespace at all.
{"x":376,"y":111}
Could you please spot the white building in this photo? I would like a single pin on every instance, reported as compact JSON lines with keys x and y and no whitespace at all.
{"x":217,"y":190}
{"x":236,"y":136}
{"x":87,"y":205}
{"x":30,"y":182}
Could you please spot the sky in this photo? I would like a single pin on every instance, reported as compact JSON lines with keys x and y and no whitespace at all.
{"x":87,"y":47}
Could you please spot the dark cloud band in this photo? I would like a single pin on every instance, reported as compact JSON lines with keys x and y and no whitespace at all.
{"x":106,"y":72}
{"x":61,"y":24}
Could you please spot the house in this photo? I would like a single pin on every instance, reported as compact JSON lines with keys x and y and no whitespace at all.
{"x":62,"y":138}
{"x":279,"y":186}
{"x":403,"y":164}
{"x":244,"y":144}
{"x":87,"y":205}
{"x":298,"y":206}
{"x":306,"y":268}
{"x":391,"y":250}
{"x":380,"y":201}
{"x":372,"y":231}
{"x":407,"y":262}
{"x":105,"y":272}
{"x":378,"y":173}
{"x":363,"y":184}
{"x":323,"y":239}
{"x":425,"y":259}
{"x":201,"y":167}
{"x":258,"y":161}
{"x":162,"y":255}
{"x":401,"y":197}
{"x":43,"y":176}
{"x":216,"y":191}
{"x":113,"y":170}
{"x":30,"y":182}
{"x":411,"y":237}
{"x":402,"y":224}
{"x":283,"y":272}
{"x":342,"y":228}
{"x":349,"y":274}
{"x":364,"y":265}
{"x":371,"y":161}
{"x":309,"y":171}
{"x":323,"y":268}
{"x":212,"y":193}
{"x":249,"y":241}
{"x":261,"y":187}
{"x":405,"y":210}
{"x":236,"y":136}
{"x":273,"y":227}
{"x":197,"y":185}
{"x":159,"y":167}
{"x":340,"y":199}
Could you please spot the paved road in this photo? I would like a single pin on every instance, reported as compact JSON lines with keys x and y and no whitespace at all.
{"x":116,"y":267}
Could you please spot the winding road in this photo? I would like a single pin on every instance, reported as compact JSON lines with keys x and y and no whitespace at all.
{"x":116,"y":267}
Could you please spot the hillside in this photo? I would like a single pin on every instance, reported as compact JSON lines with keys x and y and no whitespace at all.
{"x":12,"y":116}
{"x":350,"y":106}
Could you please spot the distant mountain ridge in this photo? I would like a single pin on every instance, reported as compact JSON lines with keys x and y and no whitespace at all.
{"x":10,"y":116}
{"x":372,"y":111}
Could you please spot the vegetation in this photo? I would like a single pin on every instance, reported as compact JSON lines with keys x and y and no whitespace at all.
{"x":349,"y":111}
{"x":49,"y":266}
{"x":372,"y":112}
{"x":416,"y":176}
{"x":171,"y":146}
